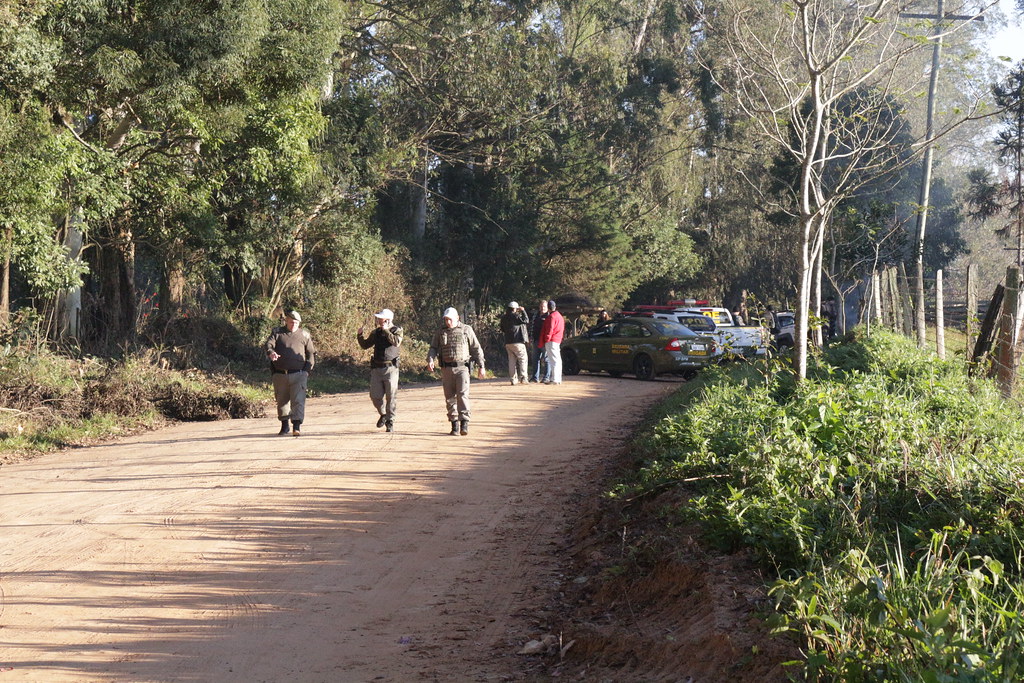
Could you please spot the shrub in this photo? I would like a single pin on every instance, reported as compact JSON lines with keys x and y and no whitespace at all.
{"x":884,"y":494}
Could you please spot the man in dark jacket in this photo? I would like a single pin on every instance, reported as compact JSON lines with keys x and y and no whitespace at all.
{"x":538,"y":363}
{"x":515,"y":327}
{"x":291,"y":353}
{"x":385,"y":340}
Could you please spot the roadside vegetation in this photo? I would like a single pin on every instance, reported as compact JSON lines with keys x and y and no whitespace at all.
{"x":53,"y":401}
{"x":203,"y":369}
{"x":882,"y":498}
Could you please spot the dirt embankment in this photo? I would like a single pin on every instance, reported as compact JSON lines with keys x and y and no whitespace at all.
{"x":220,"y":551}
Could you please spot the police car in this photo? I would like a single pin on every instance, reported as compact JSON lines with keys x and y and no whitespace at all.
{"x":642,"y":346}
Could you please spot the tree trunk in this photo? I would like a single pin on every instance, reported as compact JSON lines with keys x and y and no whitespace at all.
{"x":234,"y":280}
{"x":819,"y":339}
{"x":113,"y":267}
{"x":5,"y":277}
{"x":803,"y":300}
{"x":419,"y":214}
{"x":70,"y":304}
{"x":172,"y":287}
{"x":940,"y":318}
{"x":972,"y":308}
{"x":641,"y":35}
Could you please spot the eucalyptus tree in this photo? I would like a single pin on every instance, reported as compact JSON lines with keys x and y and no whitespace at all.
{"x":792,"y":66}
{"x":149,"y":92}
{"x":33,"y":173}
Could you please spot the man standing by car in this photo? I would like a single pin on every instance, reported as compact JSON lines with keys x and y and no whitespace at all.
{"x":291,"y":353}
{"x":538,"y":364}
{"x":385,"y":340}
{"x":515,"y":327}
{"x":551,"y":337}
{"x":454,"y":345}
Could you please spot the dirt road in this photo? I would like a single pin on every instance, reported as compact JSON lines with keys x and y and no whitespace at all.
{"x":222,"y":552}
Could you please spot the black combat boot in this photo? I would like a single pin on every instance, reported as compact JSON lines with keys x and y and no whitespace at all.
{"x":390,"y":426}
{"x":381,"y":421}
{"x":463,"y":427}
{"x":295,"y":427}
{"x":285,"y":429}
{"x":455,"y":428}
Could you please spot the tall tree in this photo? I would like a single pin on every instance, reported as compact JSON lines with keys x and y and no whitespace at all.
{"x":989,"y":197}
{"x":794,"y":67}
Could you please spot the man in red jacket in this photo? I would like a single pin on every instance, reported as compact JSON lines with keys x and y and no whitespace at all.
{"x":551,"y":337}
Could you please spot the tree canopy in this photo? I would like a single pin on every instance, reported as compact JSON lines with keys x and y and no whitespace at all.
{"x":229,"y":156}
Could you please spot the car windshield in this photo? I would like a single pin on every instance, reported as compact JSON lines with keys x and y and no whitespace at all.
{"x":667,"y":328}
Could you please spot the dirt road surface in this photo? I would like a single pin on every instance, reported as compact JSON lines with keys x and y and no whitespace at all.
{"x":222,"y":552}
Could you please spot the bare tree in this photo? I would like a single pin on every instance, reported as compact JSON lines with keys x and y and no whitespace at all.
{"x":820,"y":79}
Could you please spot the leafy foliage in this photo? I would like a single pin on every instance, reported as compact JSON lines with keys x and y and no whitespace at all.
{"x":884,"y":494}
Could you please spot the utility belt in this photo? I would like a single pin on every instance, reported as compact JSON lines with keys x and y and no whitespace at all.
{"x":455,"y":365}
{"x":285,"y":372}
{"x":384,"y":364}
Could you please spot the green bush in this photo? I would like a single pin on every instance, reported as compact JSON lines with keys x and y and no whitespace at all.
{"x":884,"y":494}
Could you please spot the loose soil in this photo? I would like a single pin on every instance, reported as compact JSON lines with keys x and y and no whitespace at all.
{"x":219,"y":551}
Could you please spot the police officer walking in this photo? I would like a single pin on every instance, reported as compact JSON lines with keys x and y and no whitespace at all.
{"x":385,"y":339}
{"x":292,"y":355}
{"x":454,"y":346}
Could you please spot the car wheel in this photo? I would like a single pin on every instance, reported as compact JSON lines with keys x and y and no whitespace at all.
{"x":643,"y":367}
{"x":615,"y":373}
{"x":570,"y":362}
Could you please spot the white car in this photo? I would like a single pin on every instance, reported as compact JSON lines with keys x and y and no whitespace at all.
{"x":785,"y":329}
{"x":733,"y":339}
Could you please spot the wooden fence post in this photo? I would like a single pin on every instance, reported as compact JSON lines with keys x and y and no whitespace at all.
{"x":895,"y":306}
{"x":987,"y":331}
{"x":866,"y":314}
{"x":1006,"y":353}
{"x":972,"y":307}
{"x":908,"y":303}
{"x":940,"y":317}
{"x":877,"y":296}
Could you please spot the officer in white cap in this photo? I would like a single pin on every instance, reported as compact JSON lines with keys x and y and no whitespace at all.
{"x":455,"y":346}
{"x":385,"y":339}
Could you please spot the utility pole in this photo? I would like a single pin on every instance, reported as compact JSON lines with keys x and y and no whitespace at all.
{"x":926,"y":173}
{"x":926,"y":176}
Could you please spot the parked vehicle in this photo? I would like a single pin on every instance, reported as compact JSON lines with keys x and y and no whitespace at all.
{"x":733,"y":339}
{"x":785,"y":329}
{"x":642,"y":346}
{"x":699,"y":323}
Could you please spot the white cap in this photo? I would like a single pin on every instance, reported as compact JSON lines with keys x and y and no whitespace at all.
{"x":451,"y":313}
{"x":385,"y":314}
{"x":294,"y":315}
{"x":513,"y":304}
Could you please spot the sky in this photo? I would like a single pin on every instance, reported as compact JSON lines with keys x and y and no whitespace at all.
{"x":1009,"y":42}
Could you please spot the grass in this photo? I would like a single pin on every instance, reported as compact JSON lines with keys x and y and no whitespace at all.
{"x":50,"y":401}
{"x":883,"y":493}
